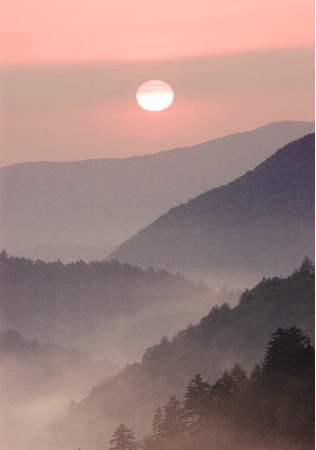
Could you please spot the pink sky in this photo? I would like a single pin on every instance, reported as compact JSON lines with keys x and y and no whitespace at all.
{"x":70,"y":71}
{"x":39,"y":31}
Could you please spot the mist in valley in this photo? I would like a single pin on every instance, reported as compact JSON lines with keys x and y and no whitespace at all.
{"x":87,"y":346}
{"x":39,"y":384}
{"x":60,"y":339}
{"x":62,"y":399}
{"x":157,"y":225}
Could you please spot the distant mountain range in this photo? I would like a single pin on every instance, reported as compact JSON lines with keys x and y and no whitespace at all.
{"x":83,"y":210}
{"x":260,"y":224}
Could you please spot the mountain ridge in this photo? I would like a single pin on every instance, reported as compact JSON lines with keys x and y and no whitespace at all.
{"x":99,"y":307}
{"x":167,"y":151}
{"x":85,"y":209}
{"x":273,"y":202}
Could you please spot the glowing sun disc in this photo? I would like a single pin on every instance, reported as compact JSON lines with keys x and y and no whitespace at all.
{"x":154,"y":95}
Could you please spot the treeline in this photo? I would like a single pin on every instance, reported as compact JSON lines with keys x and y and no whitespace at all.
{"x":242,"y":330}
{"x":32,"y":285}
{"x":76,"y":304}
{"x":273,"y":406}
{"x":224,"y":336}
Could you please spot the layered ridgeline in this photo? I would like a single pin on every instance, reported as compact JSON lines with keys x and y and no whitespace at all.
{"x":260,"y":224}
{"x":222,"y":338}
{"x":38,"y":382}
{"x":108,"y":309}
{"x":83,"y":210}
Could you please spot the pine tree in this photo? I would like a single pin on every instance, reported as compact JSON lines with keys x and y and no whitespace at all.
{"x":307,"y":266}
{"x":173,"y":424}
{"x":123,"y":439}
{"x":222,"y":397}
{"x":197,"y":404}
{"x":288,"y":352}
{"x":223,"y":389}
{"x":238,"y":375}
{"x":256,"y":375}
{"x":258,"y":402}
{"x":157,"y":425}
{"x":239,"y":404}
{"x":289,"y":361}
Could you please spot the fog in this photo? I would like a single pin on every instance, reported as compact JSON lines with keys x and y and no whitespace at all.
{"x":64,"y":390}
{"x":127,"y":337}
{"x":39,"y":382}
{"x":59,"y":399}
{"x":21,"y":422}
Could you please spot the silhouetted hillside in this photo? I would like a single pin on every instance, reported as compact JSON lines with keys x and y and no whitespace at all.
{"x":109,"y":309}
{"x":261,"y":223}
{"x":83,"y":210}
{"x":222,"y":338}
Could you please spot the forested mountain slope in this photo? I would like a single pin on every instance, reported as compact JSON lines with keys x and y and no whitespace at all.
{"x":85,"y":209}
{"x":222,"y":338}
{"x":111,"y":310}
{"x":260,"y":224}
{"x":241,"y":411}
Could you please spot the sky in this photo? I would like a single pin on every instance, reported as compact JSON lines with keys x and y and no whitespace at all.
{"x":70,"y":72}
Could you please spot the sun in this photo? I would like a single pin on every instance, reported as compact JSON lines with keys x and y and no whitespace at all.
{"x":154,"y":95}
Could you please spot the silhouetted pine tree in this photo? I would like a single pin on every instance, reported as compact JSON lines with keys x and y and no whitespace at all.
{"x":307,"y":266}
{"x":275,"y":406}
{"x":256,"y":375}
{"x":289,"y":384}
{"x":197,"y":404}
{"x":239,"y":404}
{"x":288,"y":352}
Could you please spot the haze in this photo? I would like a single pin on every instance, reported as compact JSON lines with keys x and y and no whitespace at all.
{"x":69,"y":76}
{"x":241,"y":71}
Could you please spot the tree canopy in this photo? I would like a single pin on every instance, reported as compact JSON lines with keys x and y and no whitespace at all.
{"x":123,"y":439}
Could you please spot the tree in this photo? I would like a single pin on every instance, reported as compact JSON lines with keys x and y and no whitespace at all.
{"x":307,"y":266}
{"x":256,"y":375}
{"x":159,"y":431}
{"x":173,"y":424}
{"x":157,"y":425}
{"x":223,"y":389}
{"x":246,"y":297}
{"x":197,"y":404}
{"x":123,"y":439}
{"x":289,"y":368}
{"x":288,"y":352}
{"x":239,"y":377}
